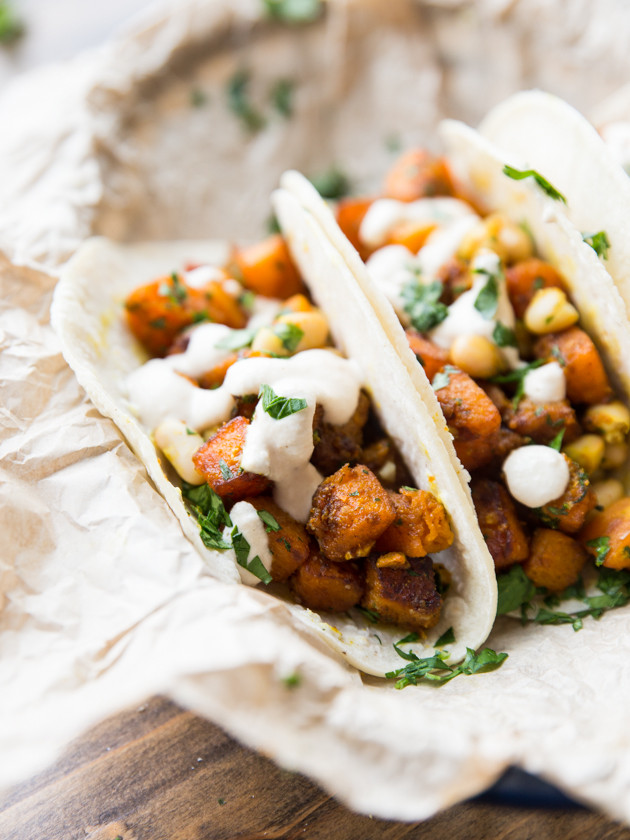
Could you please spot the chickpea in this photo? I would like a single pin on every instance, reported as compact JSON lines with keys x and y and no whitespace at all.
{"x":587,"y":450}
{"x":608,"y":491}
{"x":550,"y":311}
{"x":612,"y":420}
{"x":477,"y":356}
{"x":615,"y":455}
{"x":313,"y":325}
{"x":266,"y":341}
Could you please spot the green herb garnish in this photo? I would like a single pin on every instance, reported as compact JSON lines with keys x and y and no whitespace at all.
{"x":515,"y":589}
{"x":543,"y":183}
{"x":242,"y":548}
{"x":226,"y":472}
{"x":332,"y":184}
{"x":443,"y":377}
{"x":517,"y":376}
{"x":279,"y":407}
{"x":422,"y":304}
{"x":556,"y":443}
{"x":504,"y":336}
{"x":269,"y":521}
{"x":210,"y":512}
{"x":239,"y":102}
{"x":198,"y":98}
{"x":434,"y":670}
{"x":11,"y":27}
{"x":601,"y":546}
{"x":282,"y":97}
{"x":289,"y":334}
{"x":236,"y":339}
{"x":447,"y":638}
{"x":371,"y":615}
{"x":487,"y":301}
{"x":293,"y":11}
{"x":598,"y":242}
{"x":292,"y":680}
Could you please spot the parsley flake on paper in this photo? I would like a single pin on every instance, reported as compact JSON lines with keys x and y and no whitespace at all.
{"x":293,"y":11}
{"x":282,"y":97}
{"x":239,"y":102}
{"x":332,"y":184}
{"x":543,"y":183}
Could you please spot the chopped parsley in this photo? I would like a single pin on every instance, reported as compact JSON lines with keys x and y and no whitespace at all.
{"x":269,"y":521}
{"x":504,"y":336}
{"x":293,"y":11}
{"x":282,"y":97}
{"x":226,"y":472}
{"x":598,"y":242}
{"x":487,"y":301}
{"x":292,"y":680}
{"x":443,"y":377}
{"x":447,"y":638}
{"x":556,"y":443}
{"x":198,"y":98}
{"x":543,"y":183}
{"x":333,"y":183}
{"x":434,"y":670}
{"x":241,"y":548}
{"x":239,"y":101}
{"x":517,"y":376}
{"x":422,"y":304}
{"x":515,"y":589}
{"x":289,"y":334}
{"x":601,"y":545}
{"x":279,"y":407}
{"x":210,"y":512}
{"x":371,"y":615}
{"x":236,"y":339}
{"x":173,"y":289}
{"x":11,"y":27}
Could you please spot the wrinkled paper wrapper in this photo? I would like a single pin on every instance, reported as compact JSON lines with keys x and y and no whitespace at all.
{"x":104,"y":603}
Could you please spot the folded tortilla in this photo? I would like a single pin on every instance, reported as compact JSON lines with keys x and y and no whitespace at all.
{"x":88,"y":315}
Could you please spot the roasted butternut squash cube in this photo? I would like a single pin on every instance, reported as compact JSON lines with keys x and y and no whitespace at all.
{"x":431,"y":357}
{"x":219,"y":462}
{"x":420,"y":527}
{"x":418,"y":174}
{"x":289,"y":543}
{"x":406,"y":597}
{"x":525,"y":278}
{"x":268,"y":269}
{"x":468,"y":410}
{"x":587,"y":381}
{"x":499,"y":523}
{"x":608,"y":533}
{"x":489,"y":452}
{"x":350,"y":510}
{"x":555,"y":560}
{"x":542,"y":422}
{"x":568,"y":512}
{"x":337,"y":445}
{"x":322,"y":584}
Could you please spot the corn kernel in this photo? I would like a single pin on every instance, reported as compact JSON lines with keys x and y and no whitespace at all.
{"x":313,"y":325}
{"x":587,"y":450}
{"x":612,"y":420}
{"x":607,"y":492}
{"x":498,"y":234}
{"x":550,"y":311}
{"x":476,"y":355}
{"x":615,"y":455}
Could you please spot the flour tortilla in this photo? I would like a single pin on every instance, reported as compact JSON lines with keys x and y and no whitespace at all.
{"x":543,"y":132}
{"x":88,"y":316}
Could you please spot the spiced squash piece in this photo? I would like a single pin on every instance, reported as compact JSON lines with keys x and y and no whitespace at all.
{"x":555,"y":560}
{"x":288,"y":542}
{"x":407,"y":597}
{"x":322,"y":584}
{"x":420,"y":527}
{"x":499,"y":523}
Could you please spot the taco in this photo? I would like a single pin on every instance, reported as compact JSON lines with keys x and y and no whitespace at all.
{"x":278,"y":423}
{"x":488,"y":292}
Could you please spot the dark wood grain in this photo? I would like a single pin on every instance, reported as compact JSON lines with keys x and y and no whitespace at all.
{"x":161,"y":773}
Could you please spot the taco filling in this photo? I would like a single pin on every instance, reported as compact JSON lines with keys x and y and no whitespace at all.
{"x":273,"y":439}
{"x":522,"y":386}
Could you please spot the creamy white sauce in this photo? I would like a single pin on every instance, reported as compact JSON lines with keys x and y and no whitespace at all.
{"x":392,"y":268}
{"x":442,"y":245}
{"x":251,"y":526}
{"x":545,"y":384}
{"x":199,"y":277}
{"x":263,"y":312}
{"x":464,"y":319}
{"x":536,"y":475}
{"x":385,"y":214}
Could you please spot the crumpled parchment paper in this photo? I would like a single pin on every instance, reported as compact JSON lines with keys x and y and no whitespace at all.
{"x":103,"y":601}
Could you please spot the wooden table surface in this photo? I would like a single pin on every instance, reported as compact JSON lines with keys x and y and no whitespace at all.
{"x":161,"y":773}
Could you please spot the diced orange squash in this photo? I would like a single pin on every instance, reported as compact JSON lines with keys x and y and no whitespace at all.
{"x":609,"y":531}
{"x":584,"y":371}
{"x":525,"y":278}
{"x":431,"y":357}
{"x":418,"y":174}
{"x":568,"y":512}
{"x":499,"y":523}
{"x":267,"y":268}
{"x":421,"y":525}
{"x":467,"y":409}
{"x":289,"y":544}
{"x":555,"y":560}
{"x":407,"y":597}
{"x":322,"y":584}
{"x":350,"y":214}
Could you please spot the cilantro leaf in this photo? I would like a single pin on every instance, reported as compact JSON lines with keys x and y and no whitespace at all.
{"x":479,"y":663}
{"x":269,"y":521}
{"x":210,"y":512}
{"x":517,"y":376}
{"x":447,"y":638}
{"x":332,"y":183}
{"x":242,"y":548}
{"x":601,"y":546}
{"x":433,"y":669}
{"x":11,"y":27}
{"x":487,"y":301}
{"x":371,"y":615}
{"x":543,"y":183}
{"x":598,"y":242}
{"x":422,"y":304}
{"x":504,"y":336}
{"x":279,"y":407}
{"x":289,"y":334}
{"x":293,"y":11}
{"x":226,"y":472}
{"x":282,"y":97}
{"x":556,"y":443}
{"x":443,"y":377}
{"x":239,"y":103}
{"x":515,"y":589}
{"x":236,"y":339}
